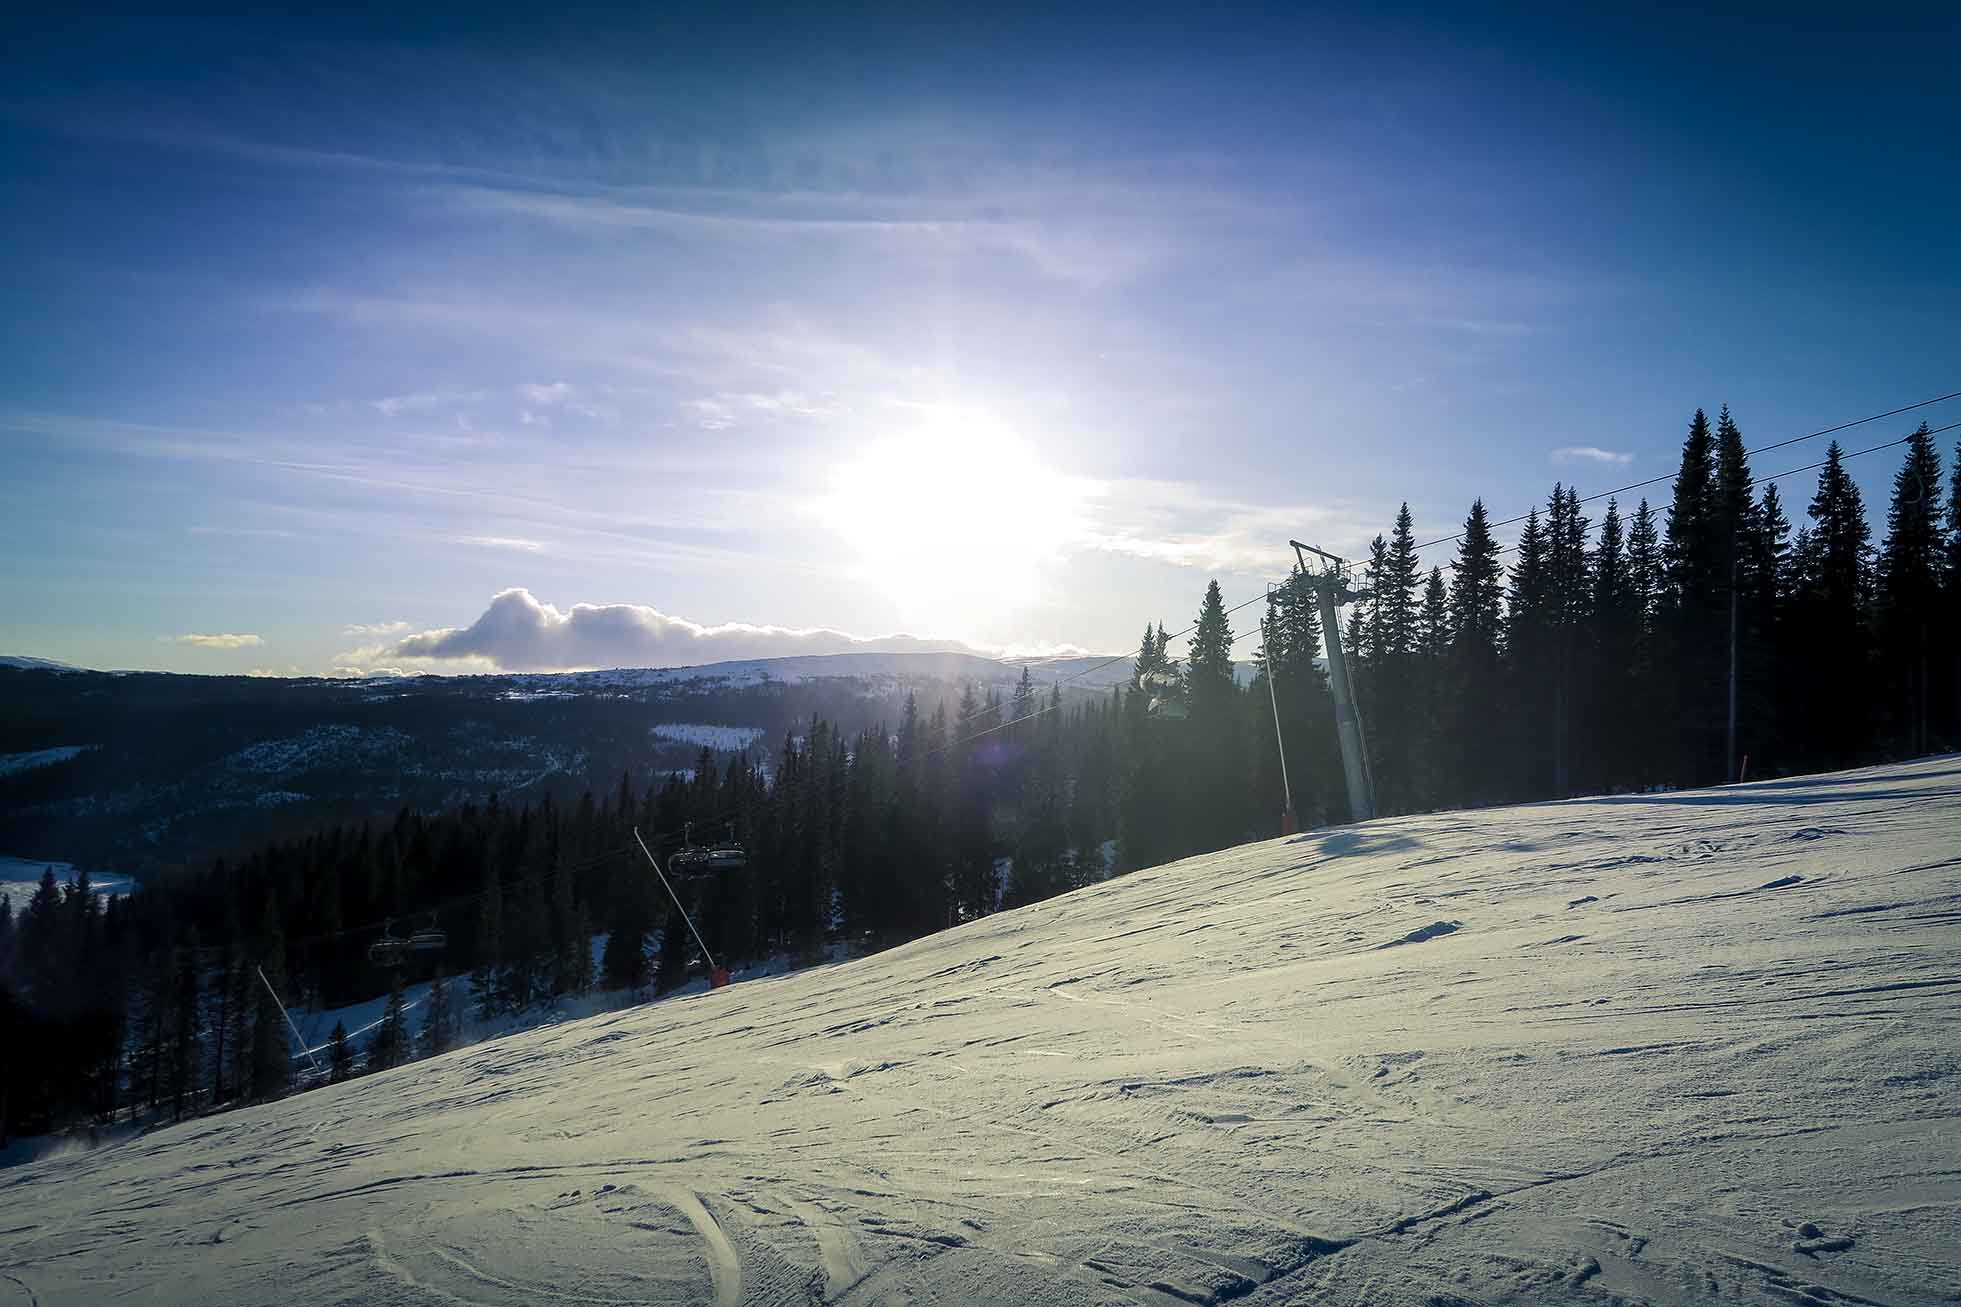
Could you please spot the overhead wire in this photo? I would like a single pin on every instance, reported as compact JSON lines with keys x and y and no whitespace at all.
{"x":1233,"y":638}
{"x":1657,"y":480}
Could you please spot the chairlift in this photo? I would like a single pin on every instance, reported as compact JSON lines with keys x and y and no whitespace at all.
{"x":391,"y":950}
{"x":1166,"y":689}
{"x":692,"y":860}
{"x":430,"y":939}
{"x":728,"y":855}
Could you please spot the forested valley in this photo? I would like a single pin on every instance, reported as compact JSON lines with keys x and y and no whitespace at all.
{"x":1588,"y":656}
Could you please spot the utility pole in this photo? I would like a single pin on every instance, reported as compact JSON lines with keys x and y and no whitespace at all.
{"x":1332,"y":590}
{"x":1288,"y":823}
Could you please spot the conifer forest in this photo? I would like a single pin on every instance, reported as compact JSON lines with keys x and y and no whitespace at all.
{"x":1594,"y":654}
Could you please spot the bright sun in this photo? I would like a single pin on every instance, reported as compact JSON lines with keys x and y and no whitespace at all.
{"x":957,"y":523}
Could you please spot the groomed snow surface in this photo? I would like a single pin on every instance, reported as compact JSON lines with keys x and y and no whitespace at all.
{"x":1686,"y":1048}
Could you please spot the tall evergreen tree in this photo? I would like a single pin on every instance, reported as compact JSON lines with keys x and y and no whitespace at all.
{"x":1697,"y":553}
{"x":1833,"y":637}
{"x":1529,"y":637}
{"x":485,"y":982}
{"x":1472,"y":718}
{"x":271,"y":1064}
{"x":438,"y":1019}
{"x":1907,"y":594}
{"x":340,"y":1055}
{"x":1646,"y":581}
{"x":1606,"y":687}
{"x":390,"y":1045}
{"x":1215,"y":797}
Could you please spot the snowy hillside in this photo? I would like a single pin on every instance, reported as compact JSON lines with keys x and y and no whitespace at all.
{"x":1682,"y":1048}
{"x":25,"y":663}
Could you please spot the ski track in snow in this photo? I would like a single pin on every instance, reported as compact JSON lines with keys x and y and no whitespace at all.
{"x":1695,"y":1047}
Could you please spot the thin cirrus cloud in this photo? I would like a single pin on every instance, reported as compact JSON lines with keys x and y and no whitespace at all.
{"x":519,"y":633}
{"x":372,"y":629}
{"x":518,"y":543}
{"x":220,"y":641}
{"x":1591,"y":454}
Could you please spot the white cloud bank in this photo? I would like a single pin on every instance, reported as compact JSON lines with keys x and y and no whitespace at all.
{"x":519,"y":634}
{"x":222,"y":641}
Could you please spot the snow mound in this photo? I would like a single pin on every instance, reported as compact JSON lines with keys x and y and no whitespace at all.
{"x":1736,"y":1078}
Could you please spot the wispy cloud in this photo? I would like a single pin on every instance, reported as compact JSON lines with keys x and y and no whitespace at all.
{"x":1085,"y":246}
{"x":565,"y":396}
{"x":219,"y":641}
{"x":423,"y":401}
{"x":1591,"y":454}
{"x":252,"y":532}
{"x":1188,"y":526}
{"x":375,"y":628}
{"x":504,"y":542}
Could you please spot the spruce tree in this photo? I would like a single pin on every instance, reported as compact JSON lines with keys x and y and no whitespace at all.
{"x":1613,"y":632}
{"x":1697,"y":552}
{"x":486,"y":986}
{"x":1216,"y":791}
{"x":438,"y":1019}
{"x":1907,"y":594}
{"x":1646,"y":571}
{"x":1472,"y":717}
{"x":340,"y":1055}
{"x":1950,"y":630}
{"x":1567,"y":595}
{"x":1528,"y":655}
{"x":390,"y":1046}
{"x":271,"y":1064}
{"x":1430,"y":693}
{"x":186,"y":1026}
{"x":1765,"y":666}
{"x":1832,"y":593}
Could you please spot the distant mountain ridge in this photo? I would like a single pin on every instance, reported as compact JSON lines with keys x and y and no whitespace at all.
{"x":26,"y":663}
{"x":138,"y":771}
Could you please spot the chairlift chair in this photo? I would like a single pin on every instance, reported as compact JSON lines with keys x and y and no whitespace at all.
{"x":691,"y":860}
{"x":729,"y":855}
{"x":430,"y":939}
{"x":391,"y":950}
{"x":1167,"y":694}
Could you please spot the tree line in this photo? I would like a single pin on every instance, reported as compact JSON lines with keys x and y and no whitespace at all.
{"x":1593,"y":659}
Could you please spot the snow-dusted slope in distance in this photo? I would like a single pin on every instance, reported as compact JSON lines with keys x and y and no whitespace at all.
{"x":1683,"y":1048}
{"x":26,"y":663}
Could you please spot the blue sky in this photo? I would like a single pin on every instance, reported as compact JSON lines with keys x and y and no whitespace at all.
{"x":1005,"y":329}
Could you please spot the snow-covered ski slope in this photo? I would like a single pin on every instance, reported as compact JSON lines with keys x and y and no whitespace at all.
{"x":1682,"y":1048}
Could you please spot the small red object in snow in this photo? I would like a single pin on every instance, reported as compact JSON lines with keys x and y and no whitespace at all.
{"x":718,"y":977}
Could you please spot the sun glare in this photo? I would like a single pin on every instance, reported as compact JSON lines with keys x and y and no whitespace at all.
{"x":958,"y":522}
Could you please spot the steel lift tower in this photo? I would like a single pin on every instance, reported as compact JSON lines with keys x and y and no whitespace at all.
{"x":1331,"y":589}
